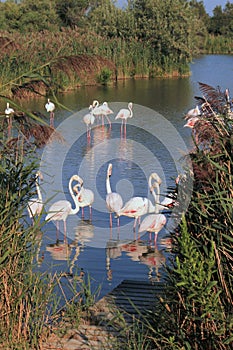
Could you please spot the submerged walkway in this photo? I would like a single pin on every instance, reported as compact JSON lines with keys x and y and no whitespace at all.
{"x":111,"y":319}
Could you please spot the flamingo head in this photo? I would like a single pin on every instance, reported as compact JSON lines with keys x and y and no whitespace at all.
{"x":155,"y":177}
{"x":109,"y":171}
{"x":95,"y":103}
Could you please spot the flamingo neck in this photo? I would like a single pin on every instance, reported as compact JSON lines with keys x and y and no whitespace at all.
{"x":38,"y":191}
{"x":156,"y":197}
{"x":75,"y":199}
{"x":108,"y":185}
{"x":130,"y":110}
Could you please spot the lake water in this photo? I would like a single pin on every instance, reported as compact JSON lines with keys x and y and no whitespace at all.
{"x":155,"y":142}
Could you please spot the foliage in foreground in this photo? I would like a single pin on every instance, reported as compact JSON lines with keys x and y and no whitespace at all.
{"x":196,"y":310}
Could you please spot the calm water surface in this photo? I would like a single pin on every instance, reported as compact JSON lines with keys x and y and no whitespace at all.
{"x":155,"y":141}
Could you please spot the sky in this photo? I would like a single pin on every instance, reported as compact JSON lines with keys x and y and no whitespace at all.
{"x":209,"y":4}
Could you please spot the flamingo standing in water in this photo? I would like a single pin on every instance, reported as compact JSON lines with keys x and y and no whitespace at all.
{"x":138,"y":206}
{"x":89,"y":120}
{"x":124,"y":114}
{"x":85,"y":196}
{"x":50,"y":107}
{"x":61,"y":209}
{"x":35,"y":205}
{"x":114,"y":201}
{"x":8,"y":112}
{"x":102,"y":111}
{"x":154,"y":222}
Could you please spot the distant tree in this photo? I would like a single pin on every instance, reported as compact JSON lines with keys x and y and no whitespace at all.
{"x":72,"y":13}
{"x":9,"y":16}
{"x":170,"y":27}
{"x":37,"y":15}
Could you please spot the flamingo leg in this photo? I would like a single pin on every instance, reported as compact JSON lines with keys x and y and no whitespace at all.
{"x":135,"y":224}
{"x":110,"y":219}
{"x":65,"y":240}
{"x":90,"y":212}
{"x":125,"y":128}
{"x":109,"y":121}
{"x":52,"y":119}
{"x":82,"y":212}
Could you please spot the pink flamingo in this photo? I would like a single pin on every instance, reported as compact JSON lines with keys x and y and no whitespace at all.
{"x":138,"y":206}
{"x":114,"y":201}
{"x":89,"y":120}
{"x":194,"y":112}
{"x":50,"y":107}
{"x":8,"y":112}
{"x":154,"y":222}
{"x":102,"y":110}
{"x":85,"y":196}
{"x":35,"y":205}
{"x":61,"y":209}
{"x":124,"y":114}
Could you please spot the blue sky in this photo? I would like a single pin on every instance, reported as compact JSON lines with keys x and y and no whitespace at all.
{"x":209,"y":4}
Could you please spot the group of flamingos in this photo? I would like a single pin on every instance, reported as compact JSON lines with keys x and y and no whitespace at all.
{"x":135,"y":208}
{"x":82,"y":197}
{"x":97,"y":111}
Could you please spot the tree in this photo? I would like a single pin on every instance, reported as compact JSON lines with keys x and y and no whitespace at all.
{"x":72,"y":13}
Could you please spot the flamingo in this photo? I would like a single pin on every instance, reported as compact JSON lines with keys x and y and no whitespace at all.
{"x":89,"y":120}
{"x":124,"y":114}
{"x":167,"y":202}
{"x":154,"y":222}
{"x":138,"y":206}
{"x":114,"y":202}
{"x":191,"y":122}
{"x":61,"y":209}
{"x":8,"y":112}
{"x":102,"y":110}
{"x":194,"y":112}
{"x":35,"y":205}
{"x":84,"y":195}
{"x":50,"y":107}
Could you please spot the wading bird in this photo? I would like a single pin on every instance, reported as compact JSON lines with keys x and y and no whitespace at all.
{"x":61,"y":209}
{"x":35,"y":205}
{"x":50,"y":107}
{"x":85,"y":196}
{"x":8,"y":112}
{"x":124,"y":114}
{"x":154,"y":222}
{"x":114,"y":201}
{"x":89,"y":120}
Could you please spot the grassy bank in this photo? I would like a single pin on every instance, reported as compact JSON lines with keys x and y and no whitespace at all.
{"x":40,"y":62}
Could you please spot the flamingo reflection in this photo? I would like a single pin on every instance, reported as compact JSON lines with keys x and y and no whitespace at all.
{"x":59,"y":250}
{"x":154,"y":259}
{"x":84,"y":232}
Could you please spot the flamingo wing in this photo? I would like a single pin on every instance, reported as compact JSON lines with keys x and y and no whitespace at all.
{"x":59,"y":210}
{"x":114,"y":202}
{"x":153,"y":223}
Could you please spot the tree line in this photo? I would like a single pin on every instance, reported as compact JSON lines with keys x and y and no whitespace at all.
{"x":147,"y":37}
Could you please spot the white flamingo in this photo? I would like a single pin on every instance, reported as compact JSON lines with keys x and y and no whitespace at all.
{"x":136,"y":207}
{"x":154,"y":222}
{"x":50,"y":108}
{"x":114,"y":201}
{"x":84,"y":195}
{"x":124,"y":114}
{"x":167,"y":202}
{"x":101,"y":111}
{"x":8,"y":112}
{"x":194,"y":112}
{"x":35,"y":205}
{"x":89,"y":120}
{"x":61,"y":209}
